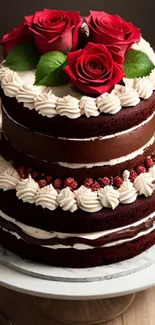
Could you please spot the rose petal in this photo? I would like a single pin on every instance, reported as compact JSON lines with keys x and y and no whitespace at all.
{"x":92,"y":70}
{"x":55,"y":29}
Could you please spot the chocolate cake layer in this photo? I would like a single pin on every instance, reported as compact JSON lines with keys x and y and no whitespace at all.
{"x":82,"y":127}
{"x":78,"y":221}
{"x":68,"y":242}
{"x":79,"y":174}
{"x":54,"y":149}
{"x":76,"y":258}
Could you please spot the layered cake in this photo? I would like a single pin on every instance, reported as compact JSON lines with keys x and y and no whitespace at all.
{"x":77,"y":166}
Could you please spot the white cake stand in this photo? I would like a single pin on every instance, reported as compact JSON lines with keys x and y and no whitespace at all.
{"x":79,"y":303}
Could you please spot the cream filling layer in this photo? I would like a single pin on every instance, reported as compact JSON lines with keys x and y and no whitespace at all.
{"x":42,"y":234}
{"x":111,"y":162}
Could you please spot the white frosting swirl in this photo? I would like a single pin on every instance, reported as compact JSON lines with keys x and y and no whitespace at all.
{"x":82,"y":189}
{"x":9,"y":179}
{"x":88,"y":200}
{"x":145,"y":47}
{"x":143,"y":87}
{"x":151,"y":78}
{"x":45,"y":104}
{"x":108,"y":197}
{"x":66,"y":200}
{"x":27,"y":94}
{"x":128,"y":193}
{"x":126,"y":174}
{"x":108,"y":103}
{"x":26,"y":190}
{"x":88,"y":106}
{"x":4,"y":164}
{"x":143,"y":184}
{"x":68,"y":106}
{"x":128,"y":96}
{"x":152,"y":171}
{"x":11,"y":83}
{"x":3,"y":70}
{"x":46,"y":197}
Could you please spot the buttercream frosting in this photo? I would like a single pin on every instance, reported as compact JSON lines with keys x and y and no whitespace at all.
{"x":143,"y":184}
{"x":88,"y":106}
{"x":4,"y":164}
{"x":108,"y":103}
{"x":26,"y":190}
{"x":45,"y":104}
{"x":68,"y":106}
{"x":3,"y":69}
{"x":66,"y":200}
{"x":128,"y":96}
{"x":88,"y":200}
{"x":126,"y":174}
{"x":143,"y":87}
{"x":10,"y":83}
{"x":46,"y":197}
{"x":109,"y":197}
{"x":152,"y":172}
{"x":151,"y":78}
{"x":82,"y":189}
{"x":128,"y":193}
{"x":27,"y":94}
{"x":145,"y":47}
{"x":9,"y":179}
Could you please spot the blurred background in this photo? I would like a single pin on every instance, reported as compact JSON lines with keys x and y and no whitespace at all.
{"x":140,"y":12}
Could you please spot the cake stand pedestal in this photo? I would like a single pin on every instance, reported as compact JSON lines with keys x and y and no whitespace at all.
{"x":87,"y":312}
{"x":78,"y":303}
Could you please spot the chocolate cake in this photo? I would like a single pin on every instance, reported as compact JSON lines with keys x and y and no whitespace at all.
{"x":77,"y":166}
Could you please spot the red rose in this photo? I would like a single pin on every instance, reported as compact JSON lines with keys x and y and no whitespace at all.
{"x":113,"y":31}
{"x":54,"y":29}
{"x":93,"y":70}
{"x":17,"y":36}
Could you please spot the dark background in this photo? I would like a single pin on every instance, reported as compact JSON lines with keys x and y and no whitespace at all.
{"x":140,"y":12}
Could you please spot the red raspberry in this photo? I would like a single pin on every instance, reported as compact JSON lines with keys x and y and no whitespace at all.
{"x":95,"y":186}
{"x":35,"y":175}
{"x":42,"y":183}
{"x":21,"y":172}
{"x":140,"y":169}
{"x":20,"y":169}
{"x":70,"y":182}
{"x":118,"y":181}
{"x":149,"y":162}
{"x":133,"y":175}
{"x":21,"y":175}
{"x":88,"y":182}
{"x":104,"y":181}
{"x":28,"y":172}
{"x":49,"y":179}
{"x":57,"y":183}
{"x":73,"y":186}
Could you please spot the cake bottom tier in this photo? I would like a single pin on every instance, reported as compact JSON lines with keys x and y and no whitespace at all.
{"x":76,"y":258}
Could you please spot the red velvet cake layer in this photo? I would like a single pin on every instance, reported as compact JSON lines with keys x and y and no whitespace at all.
{"x":54,"y":149}
{"x":82,"y":127}
{"x":19,"y":158}
{"x":78,"y":221}
{"x":73,"y":257}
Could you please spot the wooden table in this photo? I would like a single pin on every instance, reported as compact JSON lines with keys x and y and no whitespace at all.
{"x":21,"y":309}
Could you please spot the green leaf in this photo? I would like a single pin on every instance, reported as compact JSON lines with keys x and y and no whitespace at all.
{"x":137,"y":64}
{"x":50,"y":69}
{"x":23,"y":57}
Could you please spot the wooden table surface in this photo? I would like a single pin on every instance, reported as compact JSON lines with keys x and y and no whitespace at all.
{"x":20,"y":308}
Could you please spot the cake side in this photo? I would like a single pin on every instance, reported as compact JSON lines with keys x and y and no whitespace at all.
{"x":79,"y":172}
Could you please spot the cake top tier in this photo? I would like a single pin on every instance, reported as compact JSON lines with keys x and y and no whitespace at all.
{"x":93,"y":55}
